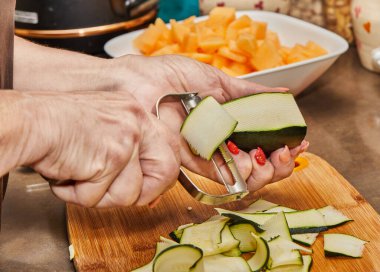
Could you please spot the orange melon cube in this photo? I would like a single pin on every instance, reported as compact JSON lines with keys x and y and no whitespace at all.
{"x":206,"y":58}
{"x":240,"y":68}
{"x":211,"y":44}
{"x":146,"y":41}
{"x":167,"y":50}
{"x":219,"y":61}
{"x":221,"y":16}
{"x":266,"y":56}
{"x":178,"y":31}
{"x":232,"y":45}
{"x":273,"y":37}
{"x":190,"y":42}
{"x":234,"y":27}
{"x":259,"y":29}
{"x":247,"y":44}
{"x":227,"y":53}
{"x":315,"y":49}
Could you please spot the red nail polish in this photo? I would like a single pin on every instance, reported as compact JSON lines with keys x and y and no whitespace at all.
{"x":260,"y":156}
{"x":232,"y":148}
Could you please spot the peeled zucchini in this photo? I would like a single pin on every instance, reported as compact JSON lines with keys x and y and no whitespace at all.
{"x":207,"y":126}
{"x":337,"y":244}
{"x":266,"y":120}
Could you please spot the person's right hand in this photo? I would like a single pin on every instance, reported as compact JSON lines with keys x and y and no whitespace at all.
{"x":115,"y":153}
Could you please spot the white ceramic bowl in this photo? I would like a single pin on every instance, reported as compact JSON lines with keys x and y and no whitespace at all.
{"x":297,"y":76}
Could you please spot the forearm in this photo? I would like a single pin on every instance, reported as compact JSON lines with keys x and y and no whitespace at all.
{"x":42,"y":68}
{"x":20,"y":135}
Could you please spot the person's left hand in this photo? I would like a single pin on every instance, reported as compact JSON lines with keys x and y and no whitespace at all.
{"x":150,"y":78}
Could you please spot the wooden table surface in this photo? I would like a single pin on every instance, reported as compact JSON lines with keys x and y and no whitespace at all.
{"x":341,"y":109}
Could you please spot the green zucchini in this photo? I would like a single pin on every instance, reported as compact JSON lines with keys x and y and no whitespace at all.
{"x":306,"y":239}
{"x":276,"y":226}
{"x":177,"y":233}
{"x":305,"y":267}
{"x":218,"y":263}
{"x":207,"y":126}
{"x":337,"y":244}
{"x":280,"y":209}
{"x":259,"y":205}
{"x":242,"y":232}
{"x":179,"y":258}
{"x":260,"y":259}
{"x":213,"y":237}
{"x":235,"y":252}
{"x":160,"y":246}
{"x":266,"y":120}
{"x":283,"y":252}
{"x":333,"y":217}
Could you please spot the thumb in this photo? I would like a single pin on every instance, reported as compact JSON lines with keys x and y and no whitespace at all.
{"x":237,"y":87}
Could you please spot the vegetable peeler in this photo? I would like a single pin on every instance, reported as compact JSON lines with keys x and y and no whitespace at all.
{"x":236,"y":191}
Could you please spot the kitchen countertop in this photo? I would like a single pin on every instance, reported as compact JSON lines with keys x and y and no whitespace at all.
{"x":342,"y":110}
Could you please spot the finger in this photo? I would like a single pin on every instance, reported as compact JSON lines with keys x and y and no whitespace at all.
{"x":160,"y":164}
{"x":282,"y":162}
{"x":294,"y":152}
{"x":207,"y":169}
{"x":238,"y":87}
{"x":83,"y":193}
{"x":261,"y":174}
{"x":126,"y":188}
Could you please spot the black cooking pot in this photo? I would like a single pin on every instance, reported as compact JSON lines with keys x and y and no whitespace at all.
{"x":81,"y":25}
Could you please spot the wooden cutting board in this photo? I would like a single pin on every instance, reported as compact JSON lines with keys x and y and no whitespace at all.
{"x":124,"y":238}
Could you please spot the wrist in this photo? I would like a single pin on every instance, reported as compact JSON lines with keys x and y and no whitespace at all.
{"x":20,"y":144}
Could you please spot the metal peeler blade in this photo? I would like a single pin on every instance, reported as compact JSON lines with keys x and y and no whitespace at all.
{"x":236,"y":191}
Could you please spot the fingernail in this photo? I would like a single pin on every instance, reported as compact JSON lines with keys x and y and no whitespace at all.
{"x":233,"y":148}
{"x":285,"y":155}
{"x":260,"y":156}
{"x":304,"y":145}
{"x":155,"y":202}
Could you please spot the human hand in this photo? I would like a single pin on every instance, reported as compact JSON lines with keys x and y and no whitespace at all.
{"x":150,"y":78}
{"x":115,"y":153}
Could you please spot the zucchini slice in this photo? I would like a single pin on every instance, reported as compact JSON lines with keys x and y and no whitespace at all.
{"x":306,"y":239}
{"x":242,"y":232}
{"x":177,"y":233}
{"x":235,"y":252}
{"x":178,"y":258}
{"x":218,"y":263}
{"x":267,"y":120}
{"x":280,"y":209}
{"x":160,"y":246}
{"x":282,"y":252}
{"x":333,"y":217}
{"x":259,"y":205}
{"x":276,"y":226}
{"x":337,"y":244}
{"x":305,"y":221}
{"x":207,"y":126}
{"x":306,"y":267}
{"x":213,"y":237}
{"x":258,"y":261}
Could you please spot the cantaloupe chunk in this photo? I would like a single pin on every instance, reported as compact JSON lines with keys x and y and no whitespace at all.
{"x":227,"y":53}
{"x":266,"y":56}
{"x":220,"y":61}
{"x":146,"y":42}
{"x":315,"y":50}
{"x":240,"y":68}
{"x":206,"y":58}
{"x":190,"y":42}
{"x":211,"y":44}
{"x":167,"y":50}
{"x":221,"y":16}
{"x":232,"y":45}
{"x":234,"y":27}
{"x":259,"y":29}
{"x":273,"y":37}
{"x":229,"y":71}
{"x":247,"y":43}
{"x":178,"y":31}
